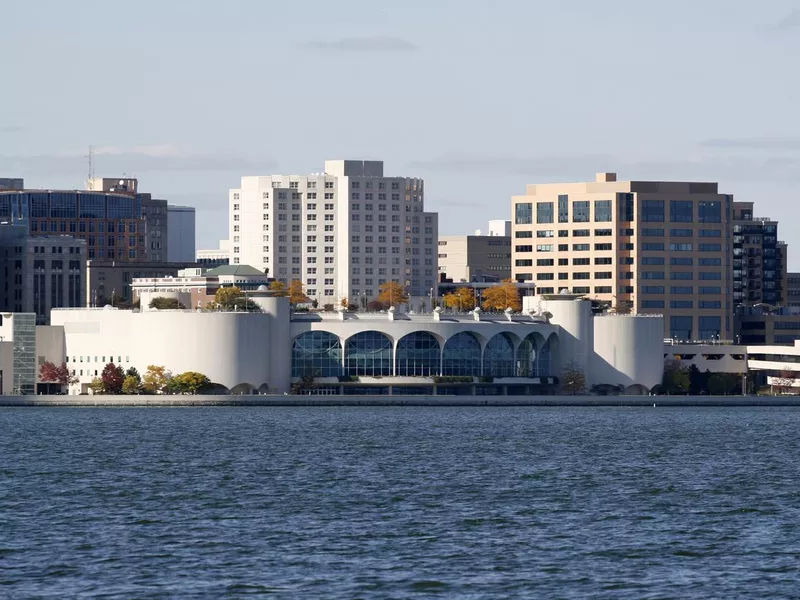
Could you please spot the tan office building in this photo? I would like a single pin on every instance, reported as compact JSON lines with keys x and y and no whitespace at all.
{"x":646,"y":246}
{"x":464,"y":258}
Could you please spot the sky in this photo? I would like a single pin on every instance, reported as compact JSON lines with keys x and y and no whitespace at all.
{"x":478,"y":98}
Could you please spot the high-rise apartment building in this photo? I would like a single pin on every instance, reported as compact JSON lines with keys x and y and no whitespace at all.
{"x":645,"y":246}
{"x":759,"y":265}
{"x":342,"y":232}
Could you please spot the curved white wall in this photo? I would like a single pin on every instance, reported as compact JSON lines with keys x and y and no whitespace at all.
{"x":628,"y":350}
{"x":576,"y":336}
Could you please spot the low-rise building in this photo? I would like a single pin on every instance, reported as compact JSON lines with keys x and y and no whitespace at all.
{"x":381,"y":353}
{"x":214,"y":257}
{"x":108,"y":280}
{"x":767,"y":324}
{"x":479,"y":258}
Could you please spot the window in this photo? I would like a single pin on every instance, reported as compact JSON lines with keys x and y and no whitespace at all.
{"x":653,"y":211}
{"x":563,"y":208}
{"x":710,"y":233}
{"x":716,"y":304}
{"x":710,"y":290}
{"x":653,"y":246}
{"x":544,"y":276}
{"x":563,"y":247}
{"x":680,"y":327}
{"x":710,"y":262}
{"x":680,"y":247}
{"x":626,"y":206}
{"x":522,"y":234}
{"x":652,"y":304}
{"x":681,"y":289}
{"x":602,"y":289}
{"x":685,"y":261}
{"x":545,"y":233}
{"x":602,"y":211}
{"x":462,"y":355}
{"x":652,"y":275}
{"x":542,"y":262}
{"x":523,"y":213}
{"x":544,"y":212}
{"x":580,"y":247}
{"x":580,"y":211}
{"x":603,"y":275}
{"x":418,"y":354}
{"x":581,"y":275}
{"x":580,"y":261}
{"x":317,"y":352}
{"x":681,"y":304}
{"x":681,"y":232}
{"x":601,"y":247}
{"x":604,"y":260}
{"x":710,"y":276}
{"x":652,"y":260}
{"x":652,"y":289}
{"x":524,"y":262}
{"x":544,"y":248}
{"x":710,"y":247}
{"x":563,"y":262}
{"x":652,"y":233}
{"x":602,"y":232}
{"x":523,"y":248}
{"x":563,"y":233}
{"x":581,"y":233}
{"x":710,"y":327}
{"x":709,"y":211}
{"x":499,"y":359}
{"x":681,"y":211}
{"x":684,"y":275}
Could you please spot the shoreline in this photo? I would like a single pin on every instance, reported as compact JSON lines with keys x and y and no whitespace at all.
{"x":397,"y":400}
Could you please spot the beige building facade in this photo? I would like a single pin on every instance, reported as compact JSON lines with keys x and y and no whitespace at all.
{"x":644,"y":246}
{"x":465,"y":258}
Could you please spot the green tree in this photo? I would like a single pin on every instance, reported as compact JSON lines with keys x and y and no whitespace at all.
{"x":190,"y":382}
{"x":392,"y":294}
{"x":233,"y":298}
{"x":156,"y":379}
{"x":573,"y":379}
{"x":112,"y":377}
{"x":133,"y":372}
{"x":131,"y":385}
{"x":676,"y":378}
{"x":97,"y":386}
{"x":463,"y":299}
{"x":163,"y":303}
{"x":722,"y":384}
{"x":502,"y":296}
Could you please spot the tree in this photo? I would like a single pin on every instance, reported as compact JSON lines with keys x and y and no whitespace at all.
{"x":722,"y":384}
{"x":376,"y":305}
{"x":783,"y":381}
{"x":278,"y":288}
{"x":96,"y":386}
{"x":133,"y":372}
{"x":296,"y":293}
{"x":131,"y":385}
{"x":463,"y":299}
{"x":392,"y":293}
{"x":573,"y":379}
{"x":156,"y":379}
{"x":345,"y":304}
{"x":698,"y":381}
{"x":189,"y":382}
{"x":50,"y":373}
{"x":112,"y":377}
{"x":502,"y":296}
{"x":163,"y":303}
{"x":676,"y":378}
{"x":233,"y":298}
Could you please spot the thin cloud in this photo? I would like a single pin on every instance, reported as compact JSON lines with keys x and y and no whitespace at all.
{"x":763,"y":143}
{"x":11,"y":129}
{"x":365,"y":44}
{"x":582,"y":168}
{"x":787,"y":23}
{"x":112,"y":159}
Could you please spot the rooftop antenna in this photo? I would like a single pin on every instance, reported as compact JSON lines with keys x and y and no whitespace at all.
{"x":90,"y":161}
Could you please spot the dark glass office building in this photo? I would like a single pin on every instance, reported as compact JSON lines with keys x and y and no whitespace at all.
{"x":112,"y":224}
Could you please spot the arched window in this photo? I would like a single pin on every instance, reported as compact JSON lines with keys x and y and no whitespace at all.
{"x":498,"y":358}
{"x":526,"y":357}
{"x":418,"y":354}
{"x":368,"y":353}
{"x":462,"y":355}
{"x":316,"y":354}
{"x":543,"y":360}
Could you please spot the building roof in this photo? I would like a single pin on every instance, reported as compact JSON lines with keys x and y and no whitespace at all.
{"x":243,"y":270}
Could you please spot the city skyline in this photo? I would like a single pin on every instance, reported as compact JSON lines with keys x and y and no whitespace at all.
{"x":493,"y":117}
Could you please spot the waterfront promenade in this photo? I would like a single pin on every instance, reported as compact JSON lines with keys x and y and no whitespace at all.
{"x":399,"y":400}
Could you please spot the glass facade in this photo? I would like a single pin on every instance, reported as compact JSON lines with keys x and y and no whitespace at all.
{"x":318,"y":354}
{"x":418,"y":354}
{"x":602,"y":211}
{"x":544,"y":212}
{"x":680,"y":327}
{"x":681,"y":211}
{"x":368,"y":353}
{"x":563,"y":208}
{"x":523,"y":213}
{"x":462,"y":355}
{"x":498,"y":358}
{"x":580,"y":211}
{"x":653,"y":211}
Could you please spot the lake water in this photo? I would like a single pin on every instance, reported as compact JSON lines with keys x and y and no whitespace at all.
{"x":400,"y":502}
